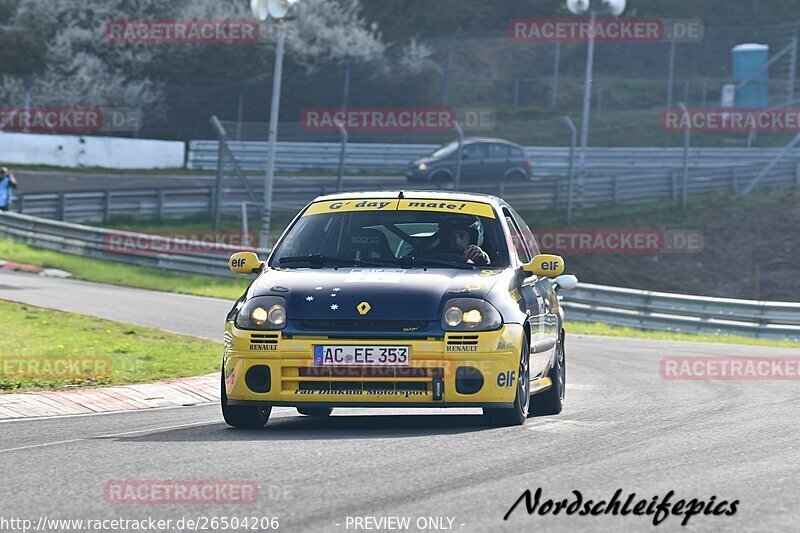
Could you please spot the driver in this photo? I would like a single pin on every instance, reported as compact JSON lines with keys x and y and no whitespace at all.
{"x":460,"y":235}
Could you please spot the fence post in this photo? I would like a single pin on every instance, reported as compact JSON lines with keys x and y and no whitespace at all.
{"x":734,"y":180}
{"x":106,"y":206}
{"x":616,"y":190}
{"x":62,"y":206}
{"x":210,"y":193}
{"x":516,"y":93}
{"x":797,"y":174}
{"x":20,"y":203}
{"x":218,"y":186}
{"x":342,"y":154}
{"x":571,"y":176}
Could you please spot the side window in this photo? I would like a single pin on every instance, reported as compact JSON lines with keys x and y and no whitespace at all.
{"x":475,"y":151}
{"x":498,"y":151}
{"x":516,"y":238}
{"x":517,"y":152}
{"x":527,"y":234}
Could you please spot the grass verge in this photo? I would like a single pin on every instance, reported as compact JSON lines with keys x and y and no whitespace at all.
{"x":134,"y":354}
{"x":606,"y":330}
{"x":102,"y":271}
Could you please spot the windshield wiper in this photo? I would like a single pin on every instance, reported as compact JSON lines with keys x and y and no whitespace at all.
{"x":321,"y":260}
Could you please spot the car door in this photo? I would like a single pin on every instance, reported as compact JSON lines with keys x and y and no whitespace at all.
{"x":499,"y":161}
{"x":549,"y":318}
{"x":473,"y":161}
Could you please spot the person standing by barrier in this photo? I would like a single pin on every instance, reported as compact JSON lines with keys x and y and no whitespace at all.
{"x":7,"y":182}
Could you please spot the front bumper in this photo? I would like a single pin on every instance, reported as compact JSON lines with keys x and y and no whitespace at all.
{"x":434,"y":378}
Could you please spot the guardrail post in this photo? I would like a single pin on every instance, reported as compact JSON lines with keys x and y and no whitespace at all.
{"x":673,"y":177}
{"x":342,"y":154}
{"x":20,"y":203}
{"x":501,"y":188}
{"x":616,"y":190}
{"x":62,"y":206}
{"x":797,"y":175}
{"x":160,"y":204}
{"x":210,"y":193}
{"x":556,"y":194}
{"x":734,"y":180}
{"x":106,"y":206}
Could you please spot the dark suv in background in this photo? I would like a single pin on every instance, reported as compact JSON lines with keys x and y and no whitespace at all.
{"x":482,"y":159}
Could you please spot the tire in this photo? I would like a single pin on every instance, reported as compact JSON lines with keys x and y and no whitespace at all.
{"x":516,"y":415}
{"x":516,"y":176}
{"x":551,"y":401}
{"x":317,"y":412}
{"x":441,"y":179}
{"x":242,"y":416}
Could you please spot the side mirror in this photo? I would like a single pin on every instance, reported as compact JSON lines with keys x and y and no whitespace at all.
{"x":545,"y":265}
{"x":565,"y":282}
{"x":245,"y":263}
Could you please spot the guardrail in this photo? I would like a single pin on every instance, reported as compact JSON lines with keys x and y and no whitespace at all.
{"x":547,"y":161}
{"x":683,"y":313}
{"x":537,"y":195}
{"x":587,"y":303}
{"x":120,"y":246}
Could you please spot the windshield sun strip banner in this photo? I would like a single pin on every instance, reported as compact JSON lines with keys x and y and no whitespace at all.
{"x":378,"y":204}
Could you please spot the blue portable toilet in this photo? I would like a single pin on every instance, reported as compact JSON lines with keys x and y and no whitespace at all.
{"x":747,"y":59}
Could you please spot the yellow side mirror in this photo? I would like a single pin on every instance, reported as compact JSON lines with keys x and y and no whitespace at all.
{"x":245,"y":263}
{"x":545,"y":265}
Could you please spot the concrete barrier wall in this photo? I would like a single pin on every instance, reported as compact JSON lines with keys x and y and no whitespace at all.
{"x":76,"y":151}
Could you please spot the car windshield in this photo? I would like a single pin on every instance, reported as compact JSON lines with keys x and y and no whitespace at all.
{"x":393,"y":238}
{"x":445,"y":150}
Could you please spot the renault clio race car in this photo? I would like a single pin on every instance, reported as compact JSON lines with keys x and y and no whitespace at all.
{"x":398,"y":299}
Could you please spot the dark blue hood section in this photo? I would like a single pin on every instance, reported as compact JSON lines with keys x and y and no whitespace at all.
{"x":396,"y":297}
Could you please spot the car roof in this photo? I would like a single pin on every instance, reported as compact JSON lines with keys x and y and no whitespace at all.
{"x":414,"y":195}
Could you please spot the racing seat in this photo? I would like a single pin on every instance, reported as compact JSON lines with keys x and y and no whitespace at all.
{"x":369,"y":244}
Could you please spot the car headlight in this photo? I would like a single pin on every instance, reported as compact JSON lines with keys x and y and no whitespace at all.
{"x":422,"y":166}
{"x":262,"y":312}
{"x":470,"y":314}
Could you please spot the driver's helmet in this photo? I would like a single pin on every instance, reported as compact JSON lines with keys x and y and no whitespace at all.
{"x":465,"y":223}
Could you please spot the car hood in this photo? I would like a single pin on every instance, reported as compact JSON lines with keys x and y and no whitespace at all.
{"x":391,"y":294}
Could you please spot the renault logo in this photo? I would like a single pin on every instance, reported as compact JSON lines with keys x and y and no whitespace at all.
{"x":363,"y":308}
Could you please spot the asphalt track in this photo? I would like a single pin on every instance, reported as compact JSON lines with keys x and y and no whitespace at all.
{"x":623,"y":427}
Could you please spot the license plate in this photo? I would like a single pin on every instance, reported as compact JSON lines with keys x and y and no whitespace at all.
{"x":362,"y":355}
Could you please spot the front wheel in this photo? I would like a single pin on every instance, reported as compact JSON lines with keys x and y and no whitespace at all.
{"x":517,"y":415}
{"x":319,"y":412}
{"x":242,"y":416}
{"x":551,"y":401}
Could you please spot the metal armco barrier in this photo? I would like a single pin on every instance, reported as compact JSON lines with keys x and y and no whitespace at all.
{"x":120,"y":246}
{"x":587,"y":303}
{"x":683,"y":313}
{"x":536,"y":195}
{"x":547,"y":161}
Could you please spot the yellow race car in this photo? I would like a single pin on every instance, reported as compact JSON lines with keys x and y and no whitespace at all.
{"x":398,"y":299}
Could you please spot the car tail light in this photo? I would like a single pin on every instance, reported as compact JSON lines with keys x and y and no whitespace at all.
{"x":528,"y":163}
